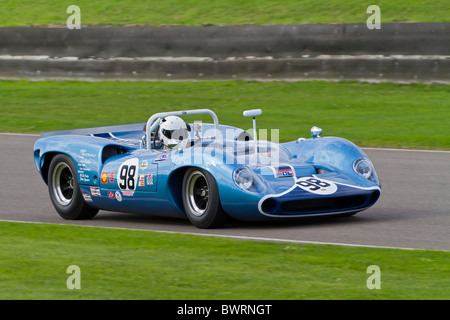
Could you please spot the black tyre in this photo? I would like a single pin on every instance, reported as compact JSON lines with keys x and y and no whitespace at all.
{"x":64,"y":190}
{"x":201,"y":199}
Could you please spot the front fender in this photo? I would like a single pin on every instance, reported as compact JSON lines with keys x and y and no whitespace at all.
{"x":214,"y":161}
{"x":333,"y":153}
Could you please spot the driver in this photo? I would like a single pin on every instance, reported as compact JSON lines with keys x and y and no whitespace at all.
{"x":174,"y":132}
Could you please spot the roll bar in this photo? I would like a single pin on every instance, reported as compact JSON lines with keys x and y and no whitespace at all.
{"x":154,"y":120}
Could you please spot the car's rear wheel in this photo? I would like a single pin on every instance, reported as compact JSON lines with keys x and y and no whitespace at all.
{"x":64,"y":190}
{"x":201,"y":199}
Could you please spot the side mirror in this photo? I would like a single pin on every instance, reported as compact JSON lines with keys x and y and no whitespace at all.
{"x":252,"y":113}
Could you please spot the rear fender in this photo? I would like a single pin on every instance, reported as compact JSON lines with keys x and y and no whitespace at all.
{"x":88,"y":153}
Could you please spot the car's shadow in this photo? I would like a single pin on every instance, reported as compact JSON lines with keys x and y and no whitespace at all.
{"x":143,"y":221}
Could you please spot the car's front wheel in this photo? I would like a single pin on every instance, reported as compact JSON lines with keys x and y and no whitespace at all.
{"x":201,"y":199}
{"x":64,"y":190}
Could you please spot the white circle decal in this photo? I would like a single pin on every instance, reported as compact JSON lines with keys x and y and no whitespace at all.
{"x":127,"y":176}
{"x":317,"y":186}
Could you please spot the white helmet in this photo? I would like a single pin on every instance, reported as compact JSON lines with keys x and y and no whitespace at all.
{"x":173,"y":131}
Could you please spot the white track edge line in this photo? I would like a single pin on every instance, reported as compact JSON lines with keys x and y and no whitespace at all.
{"x":410,"y":150}
{"x":263,"y":239}
{"x":19,"y":134}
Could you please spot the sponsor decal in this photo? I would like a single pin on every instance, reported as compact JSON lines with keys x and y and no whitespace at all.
{"x":284,"y":172}
{"x":87,"y":197}
{"x":95,"y":192}
{"x":104,"y":177}
{"x":112,"y":177}
{"x":144,"y":165}
{"x":111,"y":195}
{"x":127,"y":193}
{"x":118,"y":196}
{"x":84,"y":177}
{"x":162,"y":157}
{"x":85,"y":153}
{"x":149,"y":179}
{"x":141,"y":180}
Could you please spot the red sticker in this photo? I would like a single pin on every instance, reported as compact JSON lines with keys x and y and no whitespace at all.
{"x":104,"y":177}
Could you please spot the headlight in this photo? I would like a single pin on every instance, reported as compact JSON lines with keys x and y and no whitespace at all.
{"x":365,"y":168}
{"x":243,"y":178}
{"x":247,"y":180}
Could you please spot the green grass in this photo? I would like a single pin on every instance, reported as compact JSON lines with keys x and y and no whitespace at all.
{"x":218,"y":12}
{"x":126,"y":264}
{"x":371,"y":115}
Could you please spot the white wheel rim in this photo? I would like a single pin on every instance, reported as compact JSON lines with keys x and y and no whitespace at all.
{"x":63,"y":183}
{"x":197,"y":193}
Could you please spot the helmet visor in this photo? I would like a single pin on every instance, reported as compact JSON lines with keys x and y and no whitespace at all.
{"x":178,"y":134}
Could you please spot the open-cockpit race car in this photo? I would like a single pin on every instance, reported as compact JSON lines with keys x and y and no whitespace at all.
{"x":206,"y":172}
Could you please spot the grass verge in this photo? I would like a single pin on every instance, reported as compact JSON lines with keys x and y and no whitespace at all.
{"x":129,"y":264}
{"x":218,"y":12}
{"x":369,"y":114}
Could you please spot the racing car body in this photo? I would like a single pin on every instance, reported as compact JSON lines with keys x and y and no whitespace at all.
{"x":221,"y":172}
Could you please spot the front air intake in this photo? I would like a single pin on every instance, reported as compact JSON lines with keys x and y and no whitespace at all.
{"x":330,"y":204}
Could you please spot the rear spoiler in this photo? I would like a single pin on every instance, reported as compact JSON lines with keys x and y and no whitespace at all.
{"x":96,"y":130}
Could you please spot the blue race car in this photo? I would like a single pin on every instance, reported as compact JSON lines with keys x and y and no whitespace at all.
{"x":206,"y":172}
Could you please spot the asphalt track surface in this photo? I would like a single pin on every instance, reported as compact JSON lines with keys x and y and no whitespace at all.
{"x":412,"y":212}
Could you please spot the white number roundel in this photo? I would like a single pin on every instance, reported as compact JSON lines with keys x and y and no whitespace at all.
{"x":317,"y":186}
{"x":127,"y":176}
